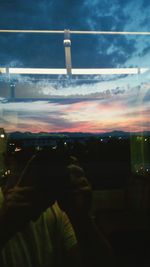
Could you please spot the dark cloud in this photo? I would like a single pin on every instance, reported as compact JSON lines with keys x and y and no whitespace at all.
{"x":145,"y":51}
{"x":24,"y":14}
{"x":147,"y":96}
{"x":145,"y":4}
{"x":69,"y":101}
{"x":54,"y":119}
{"x":105,"y":16}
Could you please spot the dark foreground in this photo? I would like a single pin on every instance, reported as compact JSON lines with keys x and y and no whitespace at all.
{"x":126,"y":228}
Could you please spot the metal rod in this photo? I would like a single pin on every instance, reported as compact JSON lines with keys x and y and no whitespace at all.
{"x":30,"y":31}
{"x":75,"y":71}
{"x":76,"y":32}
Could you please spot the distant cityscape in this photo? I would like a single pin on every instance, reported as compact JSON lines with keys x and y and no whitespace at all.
{"x":110,"y":158}
{"x":116,"y":133}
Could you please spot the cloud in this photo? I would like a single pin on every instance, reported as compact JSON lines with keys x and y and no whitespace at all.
{"x":147,"y":96}
{"x":88,"y":116}
{"x":108,"y":104}
{"x":42,"y":50}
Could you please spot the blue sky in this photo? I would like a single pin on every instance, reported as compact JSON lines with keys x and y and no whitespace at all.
{"x":111,"y":103}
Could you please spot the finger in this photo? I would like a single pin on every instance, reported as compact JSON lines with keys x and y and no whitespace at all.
{"x":21,"y":195}
{"x":22,"y":189}
{"x":25,"y":192}
{"x":14,"y":197}
{"x":16,"y":205}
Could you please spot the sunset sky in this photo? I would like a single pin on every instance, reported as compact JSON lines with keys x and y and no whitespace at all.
{"x":101,"y":103}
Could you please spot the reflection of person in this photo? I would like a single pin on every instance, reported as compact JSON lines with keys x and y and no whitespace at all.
{"x":76,"y":201}
{"x":34,"y":231}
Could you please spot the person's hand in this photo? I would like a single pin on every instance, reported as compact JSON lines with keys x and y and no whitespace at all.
{"x":22,"y":204}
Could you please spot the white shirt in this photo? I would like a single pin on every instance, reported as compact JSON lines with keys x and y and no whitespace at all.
{"x":41,"y":243}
